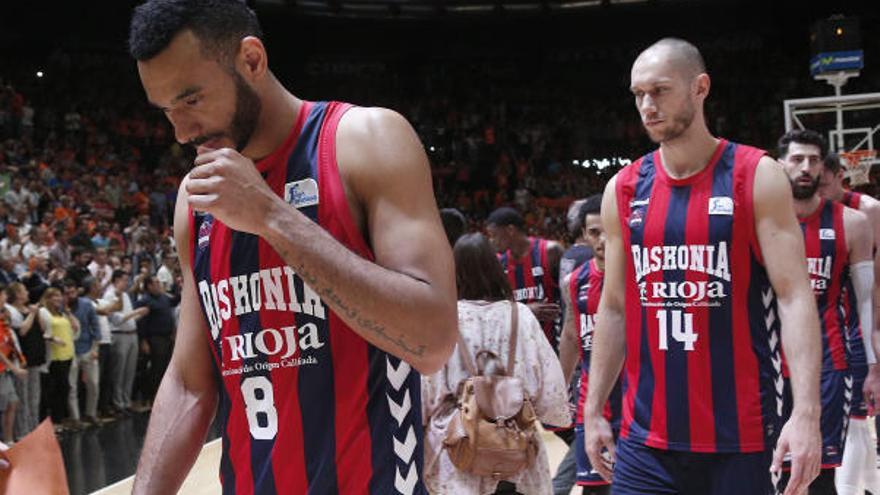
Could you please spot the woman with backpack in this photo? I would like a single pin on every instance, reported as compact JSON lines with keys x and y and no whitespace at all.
{"x":455,"y":462}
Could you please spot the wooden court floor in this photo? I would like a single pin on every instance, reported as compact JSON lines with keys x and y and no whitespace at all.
{"x":203,"y":480}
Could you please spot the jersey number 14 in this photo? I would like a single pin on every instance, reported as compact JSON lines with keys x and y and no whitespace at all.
{"x":680,"y":324}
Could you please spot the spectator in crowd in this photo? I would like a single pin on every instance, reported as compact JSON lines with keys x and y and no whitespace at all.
{"x":166,"y":271}
{"x":78,"y":270}
{"x":36,"y":278}
{"x":24,"y":322}
{"x":10,"y":248}
{"x":60,"y":254}
{"x":100,"y":268}
{"x":37,"y":244}
{"x":85,"y":361}
{"x":103,"y":308}
{"x":484,"y":316}
{"x":7,"y":271}
{"x":60,"y":329}
{"x":156,"y":330}
{"x":125,"y":341}
{"x":11,"y":371}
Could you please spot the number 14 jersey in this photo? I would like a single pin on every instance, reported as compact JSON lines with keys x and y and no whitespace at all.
{"x":702,"y":334}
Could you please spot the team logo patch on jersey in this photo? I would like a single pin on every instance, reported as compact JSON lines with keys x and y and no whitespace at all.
{"x":827,"y":234}
{"x":636,"y":217}
{"x":204,"y":236}
{"x":537,"y":271}
{"x":721,"y":205}
{"x":301,"y":193}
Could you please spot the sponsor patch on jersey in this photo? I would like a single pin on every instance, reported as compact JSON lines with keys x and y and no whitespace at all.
{"x":537,"y":271}
{"x":638,"y":202}
{"x":301,"y":193}
{"x":827,"y":234}
{"x":636,"y":217}
{"x":721,"y":205}
{"x":204,"y":236}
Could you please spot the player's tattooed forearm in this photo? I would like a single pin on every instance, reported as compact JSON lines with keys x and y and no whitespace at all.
{"x":329,"y":296}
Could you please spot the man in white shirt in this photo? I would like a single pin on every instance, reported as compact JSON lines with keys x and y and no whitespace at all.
{"x":165,"y":274}
{"x":100,"y":268}
{"x":125,"y":340}
{"x":104,"y":308}
{"x":37,"y":244}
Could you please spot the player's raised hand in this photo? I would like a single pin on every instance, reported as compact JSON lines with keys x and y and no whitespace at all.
{"x":227,"y":185}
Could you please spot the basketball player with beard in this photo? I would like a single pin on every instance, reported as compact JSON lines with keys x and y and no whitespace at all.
{"x":318,"y":281}
{"x":838,"y":242}
{"x":703,"y":260}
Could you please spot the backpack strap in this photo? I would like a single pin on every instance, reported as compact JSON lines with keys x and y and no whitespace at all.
{"x":468,"y":360}
{"x":466,"y":357}
{"x":514,"y":326}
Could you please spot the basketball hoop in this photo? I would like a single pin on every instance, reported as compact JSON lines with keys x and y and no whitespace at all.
{"x":858,"y":165}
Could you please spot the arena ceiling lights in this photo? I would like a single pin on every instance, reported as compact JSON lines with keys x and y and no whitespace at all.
{"x":421,"y":9}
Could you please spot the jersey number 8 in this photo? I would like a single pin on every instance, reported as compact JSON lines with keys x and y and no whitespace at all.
{"x":259,"y":402}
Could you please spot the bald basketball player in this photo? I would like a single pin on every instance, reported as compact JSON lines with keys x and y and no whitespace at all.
{"x":318,"y":280}
{"x":703,"y":259}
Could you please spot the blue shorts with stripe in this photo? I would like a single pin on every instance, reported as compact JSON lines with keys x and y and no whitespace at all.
{"x":641,"y":470}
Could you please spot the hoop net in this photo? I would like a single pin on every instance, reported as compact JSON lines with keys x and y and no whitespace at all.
{"x":858,"y":165}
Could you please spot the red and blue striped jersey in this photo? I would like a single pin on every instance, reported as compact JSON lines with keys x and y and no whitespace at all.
{"x":306,"y":405}
{"x":852,"y":199}
{"x":531,"y":279}
{"x":585,"y":289}
{"x":828,"y":267}
{"x":702,"y":370}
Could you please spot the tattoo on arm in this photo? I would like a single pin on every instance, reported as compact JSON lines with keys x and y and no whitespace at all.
{"x":331,"y":297}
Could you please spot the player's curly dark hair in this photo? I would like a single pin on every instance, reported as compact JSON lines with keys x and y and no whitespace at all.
{"x":802,"y":136}
{"x":219,"y":25}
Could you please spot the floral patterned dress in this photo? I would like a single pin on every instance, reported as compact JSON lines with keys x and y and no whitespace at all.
{"x":486,"y":326}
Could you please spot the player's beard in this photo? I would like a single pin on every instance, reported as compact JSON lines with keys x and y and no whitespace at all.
{"x":247,"y":113}
{"x":678,"y":125}
{"x":244,"y":121}
{"x":801,"y":192}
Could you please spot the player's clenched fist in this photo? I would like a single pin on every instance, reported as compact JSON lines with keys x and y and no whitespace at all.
{"x":228,"y":186}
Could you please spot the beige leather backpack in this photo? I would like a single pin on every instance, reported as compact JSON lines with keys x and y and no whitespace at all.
{"x":493,"y":432}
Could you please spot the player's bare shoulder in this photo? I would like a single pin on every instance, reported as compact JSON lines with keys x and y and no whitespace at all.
{"x":870,"y":206}
{"x":858,"y":229}
{"x":375,"y":140}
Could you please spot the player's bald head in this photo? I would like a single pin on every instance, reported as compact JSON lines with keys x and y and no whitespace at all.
{"x":677,"y":54}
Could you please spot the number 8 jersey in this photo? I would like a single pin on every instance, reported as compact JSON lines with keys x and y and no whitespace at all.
{"x":702,"y":334}
{"x":306,"y":405}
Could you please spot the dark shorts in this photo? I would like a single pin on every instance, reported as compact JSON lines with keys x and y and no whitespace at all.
{"x":641,"y":470}
{"x":586,"y":475}
{"x":836,"y":394}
